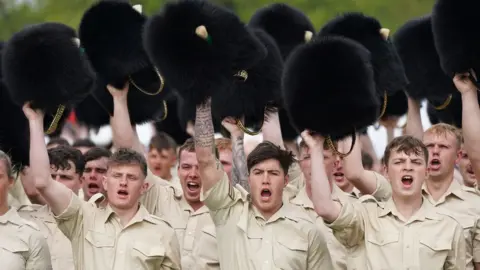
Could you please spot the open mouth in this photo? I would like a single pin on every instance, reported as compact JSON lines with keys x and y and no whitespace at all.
{"x":192,"y":186}
{"x":407,"y":180}
{"x":93,"y":188}
{"x":338,"y":176}
{"x":435,"y":164}
{"x":265,"y":194}
{"x":470,"y":171}
{"x":122,"y":193}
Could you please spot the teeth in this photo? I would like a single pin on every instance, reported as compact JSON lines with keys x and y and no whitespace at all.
{"x":192,"y":184}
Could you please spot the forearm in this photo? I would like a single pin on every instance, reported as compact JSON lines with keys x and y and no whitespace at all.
{"x":471,"y":127}
{"x":240,"y":171}
{"x":414,"y":121}
{"x":39,"y":161}
{"x":123,"y":135}
{"x":271,"y":130}
{"x":209,"y":168}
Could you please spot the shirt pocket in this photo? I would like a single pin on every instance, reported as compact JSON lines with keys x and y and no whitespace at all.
{"x":147,"y":255}
{"x":290,"y":253}
{"x":13,"y":254}
{"x":380,"y":247}
{"x":103,"y":247}
{"x":434,"y":251}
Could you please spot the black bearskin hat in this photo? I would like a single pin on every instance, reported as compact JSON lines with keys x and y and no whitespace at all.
{"x":397,"y":105}
{"x":329,"y":88}
{"x":200,"y":48}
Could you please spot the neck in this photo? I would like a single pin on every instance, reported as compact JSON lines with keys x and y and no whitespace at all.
{"x":348,"y":188}
{"x":196,"y":205}
{"x":4,"y":208}
{"x":438,"y":186}
{"x":167,"y":177}
{"x":407,"y":207}
{"x":269,"y":214}
{"x":125,"y":215}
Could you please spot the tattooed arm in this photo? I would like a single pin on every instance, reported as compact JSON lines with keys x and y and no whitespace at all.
{"x":239,"y":169}
{"x":209,"y":167}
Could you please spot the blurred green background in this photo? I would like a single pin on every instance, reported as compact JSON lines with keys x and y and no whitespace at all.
{"x":14,"y":14}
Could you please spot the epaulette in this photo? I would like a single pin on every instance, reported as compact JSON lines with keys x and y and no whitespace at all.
{"x":97,"y":198}
{"x":30,"y":224}
{"x":159,"y":220}
{"x":371,"y":199}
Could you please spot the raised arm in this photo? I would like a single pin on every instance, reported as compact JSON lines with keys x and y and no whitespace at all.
{"x":414,"y":120}
{"x":239,"y":169}
{"x":56,"y":195}
{"x":209,"y":167}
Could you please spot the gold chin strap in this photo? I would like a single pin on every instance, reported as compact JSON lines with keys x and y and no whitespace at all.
{"x":331,"y":145}
{"x":384,"y":105}
{"x":445,"y":104}
{"x":162,"y":84}
{"x":56,"y":119}
{"x":165,"y":111}
{"x":243,"y":75}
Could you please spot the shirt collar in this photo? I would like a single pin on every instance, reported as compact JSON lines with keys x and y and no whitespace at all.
{"x":455,"y":189}
{"x":302,"y":199}
{"x":185,"y":206}
{"x":426,"y":211}
{"x":11,"y":216}
{"x":141,"y":215}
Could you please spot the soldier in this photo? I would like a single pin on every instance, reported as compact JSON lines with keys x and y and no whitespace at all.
{"x":96,"y":160}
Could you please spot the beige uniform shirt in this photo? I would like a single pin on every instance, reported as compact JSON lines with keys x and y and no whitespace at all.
{"x":60,"y":246}
{"x":166,"y":201}
{"x":22,"y":246}
{"x":463,"y":205}
{"x":288,"y":240}
{"x":100,"y":242}
{"x":378,"y":237}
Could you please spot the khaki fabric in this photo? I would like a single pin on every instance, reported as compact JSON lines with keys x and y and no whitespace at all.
{"x":22,"y":246}
{"x":18,"y":193}
{"x":378,"y":237}
{"x":296,"y":181}
{"x":99,"y":241}
{"x":59,"y":245}
{"x":463,"y":205}
{"x":12,"y":201}
{"x":288,"y":240}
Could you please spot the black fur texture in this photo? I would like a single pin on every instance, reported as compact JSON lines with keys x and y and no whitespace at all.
{"x":287,"y":25}
{"x":415,"y":45}
{"x":389,"y":72}
{"x":42,"y":64}
{"x":186,"y":112}
{"x":455,"y":30}
{"x":397,"y":105}
{"x":289,"y":133}
{"x":260,"y":93}
{"x":432,"y":114}
{"x":90,"y":112}
{"x":171,"y":125}
{"x":328,"y":87}
{"x":111,"y":34}
{"x":196,"y":68}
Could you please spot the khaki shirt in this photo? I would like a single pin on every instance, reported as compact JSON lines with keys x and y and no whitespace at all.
{"x":22,"y":246}
{"x":59,"y":245}
{"x":378,"y":237}
{"x":463,"y":205}
{"x":288,"y":240}
{"x":99,"y":241}
{"x":167,"y":202}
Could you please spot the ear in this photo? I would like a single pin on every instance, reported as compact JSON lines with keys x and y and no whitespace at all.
{"x":459,"y":156}
{"x":287,"y":179}
{"x":104,"y":182}
{"x":11,"y":182}
{"x":144,"y":188}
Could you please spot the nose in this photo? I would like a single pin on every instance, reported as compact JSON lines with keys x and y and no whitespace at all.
{"x":408,"y":166}
{"x":435,"y":149}
{"x":123,"y":181}
{"x":265,"y":179}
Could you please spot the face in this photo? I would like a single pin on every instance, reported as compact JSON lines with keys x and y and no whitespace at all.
{"x":406,"y":173}
{"x":226,"y":160}
{"x":5,"y":183}
{"x":68,"y":177}
{"x":267,"y":180}
{"x":466,"y":169}
{"x":124,"y":185}
{"x":83,"y":149}
{"x":189,"y":177}
{"x":339,"y":177}
{"x":92,"y":177}
{"x":329,"y":160}
{"x":161,"y":161}
{"x":443,"y":153}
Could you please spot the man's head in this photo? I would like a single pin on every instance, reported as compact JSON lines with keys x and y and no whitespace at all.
{"x":96,"y":162}
{"x":125,"y":179}
{"x":406,"y":166}
{"x":466,"y":169}
{"x":224,"y":147}
{"x":6,"y":177}
{"x":84,"y":145}
{"x":188,"y":172}
{"x":443,"y":142}
{"x":162,"y":155}
{"x":330,"y":161}
{"x":58,"y":141}
{"x":66,"y":166}
{"x":268,"y":167}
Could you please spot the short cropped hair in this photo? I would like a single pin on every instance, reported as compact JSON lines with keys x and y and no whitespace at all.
{"x":442,"y":129}
{"x":162,"y":141}
{"x":223,"y":144}
{"x":303,"y":145}
{"x":58,"y":140}
{"x":189,"y":146}
{"x":96,"y":153}
{"x":84,"y":143}
{"x":125,"y":156}
{"x":8,"y":163}
{"x":407,"y":145}
{"x":61,"y":155}
{"x":267,"y":150}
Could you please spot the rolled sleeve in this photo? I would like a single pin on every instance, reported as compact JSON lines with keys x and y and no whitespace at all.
{"x":71,"y":220}
{"x":349,"y":227}
{"x":383,"y":192}
{"x":39,"y":258}
{"x":476,"y":242}
{"x":457,"y":256}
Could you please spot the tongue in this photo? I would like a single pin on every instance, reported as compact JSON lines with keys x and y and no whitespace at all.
{"x":192,"y":187}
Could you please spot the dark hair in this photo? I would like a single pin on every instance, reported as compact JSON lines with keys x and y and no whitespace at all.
{"x":367,"y":161}
{"x":125,"y":156}
{"x":303,"y":145}
{"x":189,"y":146}
{"x":407,"y":145}
{"x":61,"y":155}
{"x":59,"y":141}
{"x":96,"y":153}
{"x":162,"y":141}
{"x":84,"y":143}
{"x":267,"y":150}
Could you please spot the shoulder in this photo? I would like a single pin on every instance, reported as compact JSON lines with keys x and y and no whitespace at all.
{"x":369,"y":201}
{"x":159,"y":222}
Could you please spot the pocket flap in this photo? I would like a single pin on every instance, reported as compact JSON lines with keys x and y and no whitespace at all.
{"x":15,"y":246}
{"x":293,"y":244}
{"x":149,"y":250}
{"x":100,"y":239}
{"x":437,"y":244}
{"x":382,"y":239}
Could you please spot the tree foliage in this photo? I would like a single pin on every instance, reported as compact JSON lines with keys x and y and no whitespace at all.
{"x":15,"y":14}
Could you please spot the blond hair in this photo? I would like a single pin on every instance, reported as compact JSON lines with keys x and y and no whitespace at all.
{"x":442,"y":129}
{"x":223,"y":144}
